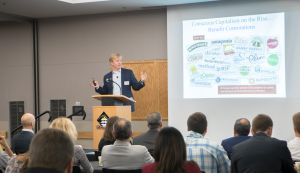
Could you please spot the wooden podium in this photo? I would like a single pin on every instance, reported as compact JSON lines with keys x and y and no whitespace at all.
{"x":112,"y":105}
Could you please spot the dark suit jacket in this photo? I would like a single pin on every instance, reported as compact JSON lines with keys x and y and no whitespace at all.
{"x":126,"y":75}
{"x":102,"y":143}
{"x":147,"y":139}
{"x":22,"y":141}
{"x":262,"y":154}
{"x":41,"y":170}
{"x":230,"y":142}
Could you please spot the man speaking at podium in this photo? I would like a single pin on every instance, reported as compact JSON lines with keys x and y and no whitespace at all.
{"x":119,"y":78}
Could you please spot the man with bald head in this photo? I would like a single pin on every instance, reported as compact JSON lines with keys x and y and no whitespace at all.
{"x":123,"y":155}
{"x":241,"y":131}
{"x":22,"y":140}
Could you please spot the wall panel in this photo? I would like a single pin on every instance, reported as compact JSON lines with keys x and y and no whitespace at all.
{"x":16,"y":68}
{"x":154,"y":96}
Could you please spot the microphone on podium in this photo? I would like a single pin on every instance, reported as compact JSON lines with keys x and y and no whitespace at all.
{"x":110,"y":79}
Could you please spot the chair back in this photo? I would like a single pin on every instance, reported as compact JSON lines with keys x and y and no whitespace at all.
{"x":105,"y":170}
{"x":97,"y":154}
{"x":151,"y":151}
{"x":76,"y":169}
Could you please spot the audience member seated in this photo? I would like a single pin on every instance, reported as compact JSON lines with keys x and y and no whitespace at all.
{"x":80,"y":157}
{"x":170,"y":154}
{"x":122,"y":155}
{"x":294,"y":145}
{"x":3,"y":160}
{"x":261,"y":153}
{"x":17,"y":163}
{"x":108,"y":138}
{"x":4,"y":155}
{"x":51,"y":151}
{"x":209,"y":155}
{"x":154,"y":123}
{"x":22,"y":140}
{"x":241,"y":131}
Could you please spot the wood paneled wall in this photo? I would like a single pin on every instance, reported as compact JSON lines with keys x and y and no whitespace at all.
{"x":154,"y":96}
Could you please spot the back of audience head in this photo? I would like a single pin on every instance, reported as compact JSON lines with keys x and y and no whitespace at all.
{"x":197,"y":122}
{"x":170,"y":151}
{"x":52,"y":149}
{"x":66,"y":125}
{"x":122,"y":129}
{"x":296,"y":122}
{"x":154,"y":120}
{"x":242,"y":127}
{"x":107,"y":135}
{"x":21,"y":145}
{"x":28,"y":121}
{"x":262,"y":123}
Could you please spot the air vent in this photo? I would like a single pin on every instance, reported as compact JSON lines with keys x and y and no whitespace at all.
{"x":16,"y":111}
{"x":58,"y":108}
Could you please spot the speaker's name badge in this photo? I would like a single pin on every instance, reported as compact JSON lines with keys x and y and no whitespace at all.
{"x":126,"y":82}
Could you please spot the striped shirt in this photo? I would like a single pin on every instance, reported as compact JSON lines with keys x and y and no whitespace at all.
{"x":209,"y":155}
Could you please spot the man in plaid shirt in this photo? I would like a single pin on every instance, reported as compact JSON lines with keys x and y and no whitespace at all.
{"x":210,"y":156}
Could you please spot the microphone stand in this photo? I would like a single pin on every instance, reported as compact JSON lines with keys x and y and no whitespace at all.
{"x":115,"y":83}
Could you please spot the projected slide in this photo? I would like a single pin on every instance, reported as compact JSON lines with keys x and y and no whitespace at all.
{"x":241,"y":56}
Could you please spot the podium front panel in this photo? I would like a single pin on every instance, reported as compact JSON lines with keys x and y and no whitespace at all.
{"x":98,"y":130}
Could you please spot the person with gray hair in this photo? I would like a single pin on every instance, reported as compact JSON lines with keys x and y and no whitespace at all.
{"x":123,"y":155}
{"x":154,"y":123}
{"x":51,"y":151}
{"x":241,"y":131}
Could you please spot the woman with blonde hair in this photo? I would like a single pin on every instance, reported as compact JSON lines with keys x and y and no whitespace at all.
{"x":68,"y":126}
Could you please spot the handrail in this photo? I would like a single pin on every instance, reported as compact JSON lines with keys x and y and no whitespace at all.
{"x":75,"y":114}
{"x":35,"y":119}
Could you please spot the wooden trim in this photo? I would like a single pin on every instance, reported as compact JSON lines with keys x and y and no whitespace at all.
{"x":3,"y":133}
{"x":135,"y":134}
{"x":85,"y":135}
{"x":161,"y":61}
{"x":120,"y":97}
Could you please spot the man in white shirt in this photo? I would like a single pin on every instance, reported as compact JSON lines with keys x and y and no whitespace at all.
{"x":22,"y":140}
{"x":123,"y":155}
{"x":294,"y":145}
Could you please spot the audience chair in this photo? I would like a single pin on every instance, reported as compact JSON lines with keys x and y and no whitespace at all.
{"x":151,"y":151}
{"x":105,"y":170}
{"x":97,"y":154}
{"x":76,"y":169}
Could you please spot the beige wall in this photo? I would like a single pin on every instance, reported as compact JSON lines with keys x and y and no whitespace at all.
{"x":75,"y":49}
{"x":16,"y":69}
{"x":72,"y":50}
{"x":4,"y":126}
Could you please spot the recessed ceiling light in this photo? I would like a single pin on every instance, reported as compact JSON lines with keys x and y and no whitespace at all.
{"x":81,"y":1}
